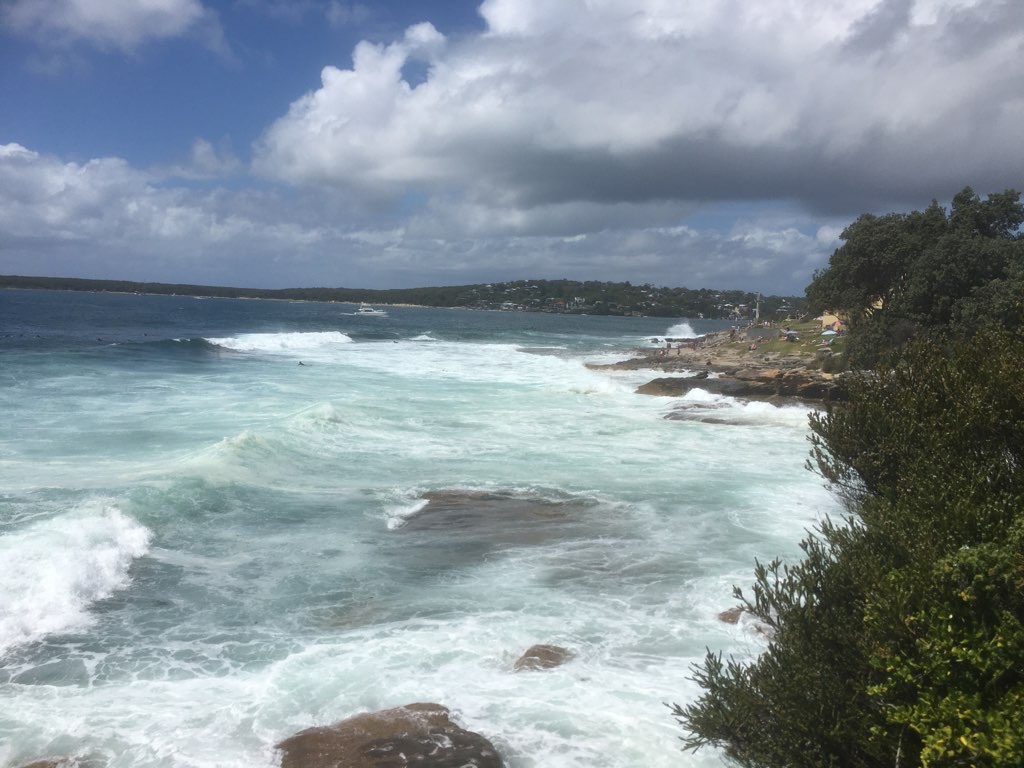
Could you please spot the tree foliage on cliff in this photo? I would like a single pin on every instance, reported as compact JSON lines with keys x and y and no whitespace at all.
{"x":899,"y":639}
{"x":901,"y":276}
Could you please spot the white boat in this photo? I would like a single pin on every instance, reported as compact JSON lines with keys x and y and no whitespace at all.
{"x":365,"y":310}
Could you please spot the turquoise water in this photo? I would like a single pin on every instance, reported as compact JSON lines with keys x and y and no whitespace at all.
{"x":207,"y":546}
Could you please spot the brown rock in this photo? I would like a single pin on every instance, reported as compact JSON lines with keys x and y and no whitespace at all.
{"x":674,"y":387}
{"x":420,"y":735}
{"x":666,"y":387}
{"x":731,"y":616}
{"x":756,"y":374}
{"x":752,"y":384}
{"x":458,"y":509}
{"x":543,"y":657}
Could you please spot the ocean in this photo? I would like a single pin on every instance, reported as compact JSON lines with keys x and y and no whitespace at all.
{"x":223,"y":521}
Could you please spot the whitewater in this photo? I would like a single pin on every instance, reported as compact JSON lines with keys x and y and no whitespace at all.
{"x":215,"y":531}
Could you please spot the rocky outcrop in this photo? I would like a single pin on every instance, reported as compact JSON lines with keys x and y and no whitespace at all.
{"x":543,"y":657}
{"x":727,"y":365}
{"x":768,"y":384}
{"x":420,"y":735}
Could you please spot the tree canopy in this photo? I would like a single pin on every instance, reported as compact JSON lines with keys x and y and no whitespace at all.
{"x":899,"y":638}
{"x":904,"y":275}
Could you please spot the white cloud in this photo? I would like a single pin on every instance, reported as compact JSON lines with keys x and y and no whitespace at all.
{"x":111,"y":212}
{"x":109,"y":24}
{"x":206,"y":161}
{"x":580,"y":139}
{"x":831,"y":102}
{"x":131,"y":224}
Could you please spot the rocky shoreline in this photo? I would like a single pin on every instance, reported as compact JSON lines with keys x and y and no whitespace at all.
{"x":730,"y":363}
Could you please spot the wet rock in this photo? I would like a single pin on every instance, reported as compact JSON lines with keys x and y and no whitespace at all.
{"x":731,"y":616}
{"x":675,"y":387}
{"x":705,"y":413}
{"x":665,"y":387}
{"x":420,"y":735}
{"x":457,"y":528}
{"x":543,"y":657}
{"x":766,"y":384}
{"x":467,"y":509}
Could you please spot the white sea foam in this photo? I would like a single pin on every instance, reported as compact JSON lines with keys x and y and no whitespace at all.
{"x":54,"y":570}
{"x":682,"y":330}
{"x":397,"y":516}
{"x":291,"y":344}
{"x":739,"y":411}
{"x":285,"y":591}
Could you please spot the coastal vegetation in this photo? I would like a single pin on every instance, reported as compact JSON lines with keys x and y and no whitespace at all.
{"x":926,"y":273}
{"x":562,"y":296}
{"x":898,"y":639}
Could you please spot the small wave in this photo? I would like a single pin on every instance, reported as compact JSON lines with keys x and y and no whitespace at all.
{"x":193,"y":346}
{"x":55,"y":570}
{"x":397,"y":516}
{"x":283,"y":343}
{"x":230,"y":451}
{"x":320,"y":415}
{"x":424,"y":337}
{"x":701,"y":405}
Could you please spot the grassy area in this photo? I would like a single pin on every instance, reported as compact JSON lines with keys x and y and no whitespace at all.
{"x":808,"y":344}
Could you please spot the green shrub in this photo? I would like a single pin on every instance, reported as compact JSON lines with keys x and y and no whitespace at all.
{"x":899,"y":638}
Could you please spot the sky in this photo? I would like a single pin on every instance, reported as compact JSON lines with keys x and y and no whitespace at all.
{"x":294,"y":143}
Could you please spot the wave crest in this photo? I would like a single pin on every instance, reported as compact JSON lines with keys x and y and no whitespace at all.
{"x":56,"y":569}
{"x":283,"y":343}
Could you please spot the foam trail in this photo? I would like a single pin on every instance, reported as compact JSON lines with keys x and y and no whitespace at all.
{"x":54,"y":570}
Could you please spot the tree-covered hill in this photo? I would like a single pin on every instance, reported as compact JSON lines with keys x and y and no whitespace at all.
{"x":570,"y":296}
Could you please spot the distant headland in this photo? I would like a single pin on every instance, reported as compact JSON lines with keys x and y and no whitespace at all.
{"x":591,"y":297}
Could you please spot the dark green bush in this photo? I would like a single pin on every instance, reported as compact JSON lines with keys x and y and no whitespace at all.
{"x":899,"y":638}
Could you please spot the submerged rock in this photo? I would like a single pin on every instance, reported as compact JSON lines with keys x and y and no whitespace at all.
{"x":420,"y":735}
{"x":706,"y":413}
{"x":466,"y":509}
{"x":457,"y":528}
{"x":543,"y":657}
